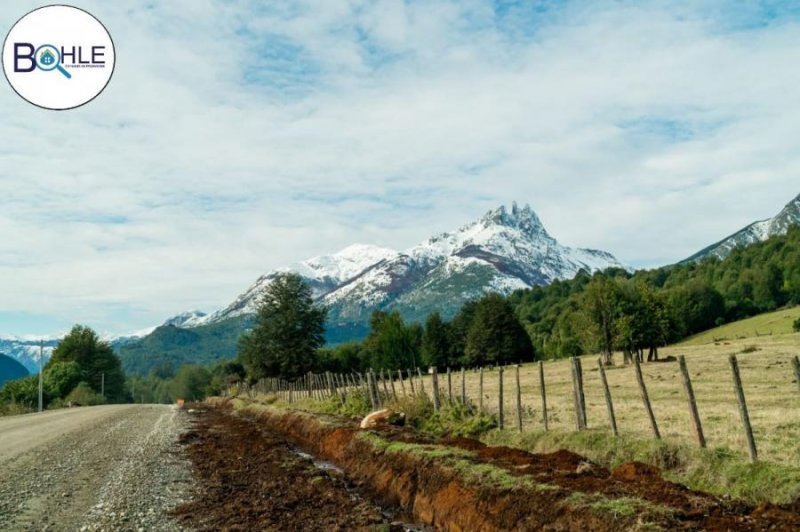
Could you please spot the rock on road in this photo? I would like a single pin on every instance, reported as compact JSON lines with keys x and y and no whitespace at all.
{"x":114,"y":467}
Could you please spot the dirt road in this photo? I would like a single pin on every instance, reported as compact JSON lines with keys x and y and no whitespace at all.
{"x":100,"y":468}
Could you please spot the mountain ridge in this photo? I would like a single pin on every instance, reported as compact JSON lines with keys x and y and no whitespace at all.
{"x":512,"y":247}
{"x":757,"y":231}
{"x":504,"y":250}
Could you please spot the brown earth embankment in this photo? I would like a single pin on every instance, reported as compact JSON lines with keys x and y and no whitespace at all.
{"x":462,"y":484}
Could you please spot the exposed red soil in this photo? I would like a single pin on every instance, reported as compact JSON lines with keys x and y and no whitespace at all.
{"x":437,"y":495}
{"x":250,"y":479}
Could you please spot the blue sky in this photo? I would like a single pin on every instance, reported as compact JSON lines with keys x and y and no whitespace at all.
{"x":239,"y":136}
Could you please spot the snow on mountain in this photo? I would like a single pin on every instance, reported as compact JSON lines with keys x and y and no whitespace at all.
{"x":502,"y":251}
{"x":190,"y":318}
{"x":323,"y":274}
{"x":755,"y":232}
{"x":25,"y":350}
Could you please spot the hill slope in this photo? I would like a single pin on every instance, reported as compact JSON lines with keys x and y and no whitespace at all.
{"x":10,"y":369}
{"x":769,"y":323}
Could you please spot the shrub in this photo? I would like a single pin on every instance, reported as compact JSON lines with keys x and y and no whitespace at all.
{"x":457,"y":420}
{"x":83,"y":395}
{"x":796,"y":325}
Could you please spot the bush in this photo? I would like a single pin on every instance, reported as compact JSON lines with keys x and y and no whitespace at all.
{"x":458,"y":420}
{"x":24,"y":392}
{"x":61,"y":378}
{"x":796,"y":325}
{"x":83,"y":395}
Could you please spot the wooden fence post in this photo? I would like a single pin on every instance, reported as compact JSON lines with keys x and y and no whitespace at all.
{"x":544,"y":394}
{"x":500,"y":420}
{"x":449,"y":387}
{"x":385,"y":388}
{"x":480,"y":390}
{"x":372,"y":395}
{"x":646,"y":398}
{"x":519,"y":401}
{"x":411,"y":382}
{"x":331,"y":385}
{"x":435,"y":385}
{"x":402,"y":384}
{"x":748,"y":429}
{"x":581,"y":396}
{"x":796,"y":364}
{"x":463,"y":387}
{"x":421,"y":382}
{"x":609,"y":404}
{"x":577,"y":389}
{"x":687,"y":387}
{"x":391,"y":381}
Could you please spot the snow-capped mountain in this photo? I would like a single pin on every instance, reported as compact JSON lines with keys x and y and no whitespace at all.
{"x":26,"y":350}
{"x":323,"y":274}
{"x":755,"y":232}
{"x":190,"y":318}
{"x":502,"y":251}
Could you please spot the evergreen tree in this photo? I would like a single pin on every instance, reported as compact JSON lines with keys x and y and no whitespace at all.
{"x":495,"y":335}
{"x":99,"y":366}
{"x":458,"y":329}
{"x":391,"y":344}
{"x":436,"y":342}
{"x":289,"y":328}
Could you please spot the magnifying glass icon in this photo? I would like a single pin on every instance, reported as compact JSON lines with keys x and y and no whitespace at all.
{"x":48,"y":58}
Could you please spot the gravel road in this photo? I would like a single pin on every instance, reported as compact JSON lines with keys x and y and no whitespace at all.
{"x":114,"y":467}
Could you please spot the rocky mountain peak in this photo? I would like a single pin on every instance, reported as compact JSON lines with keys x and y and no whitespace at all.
{"x":523,"y":218}
{"x":755,"y":232}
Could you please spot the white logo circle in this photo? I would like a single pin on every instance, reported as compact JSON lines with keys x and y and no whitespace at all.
{"x":58,"y":57}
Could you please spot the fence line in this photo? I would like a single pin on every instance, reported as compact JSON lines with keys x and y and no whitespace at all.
{"x":374,"y":386}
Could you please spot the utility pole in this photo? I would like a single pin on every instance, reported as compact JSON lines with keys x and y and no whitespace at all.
{"x":41,"y":354}
{"x":103,"y":384}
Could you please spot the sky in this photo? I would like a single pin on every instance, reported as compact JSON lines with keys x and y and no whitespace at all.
{"x":240,"y":136}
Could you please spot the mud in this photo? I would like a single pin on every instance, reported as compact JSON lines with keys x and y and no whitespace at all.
{"x":436,"y":495}
{"x":250,"y":478}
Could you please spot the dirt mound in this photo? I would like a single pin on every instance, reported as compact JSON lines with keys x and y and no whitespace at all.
{"x":636,"y":471}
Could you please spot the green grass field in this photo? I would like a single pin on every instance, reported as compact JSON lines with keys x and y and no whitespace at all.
{"x":769,"y":324}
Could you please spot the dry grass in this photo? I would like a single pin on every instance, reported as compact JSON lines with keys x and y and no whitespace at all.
{"x":773,"y":396}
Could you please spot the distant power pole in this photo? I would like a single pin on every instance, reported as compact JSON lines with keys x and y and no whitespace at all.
{"x":41,"y":354}
{"x":103,"y":384}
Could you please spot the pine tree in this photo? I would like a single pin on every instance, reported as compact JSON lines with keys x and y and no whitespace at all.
{"x":289,"y":328}
{"x":436,"y":342}
{"x":495,"y":335}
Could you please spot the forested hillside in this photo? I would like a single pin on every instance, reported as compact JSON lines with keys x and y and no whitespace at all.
{"x":650,"y":308}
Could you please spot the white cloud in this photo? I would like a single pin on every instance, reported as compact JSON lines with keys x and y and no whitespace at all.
{"x":235,"y":138}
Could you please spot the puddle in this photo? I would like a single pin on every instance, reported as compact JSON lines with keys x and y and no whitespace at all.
{"x":393,"y":515}
{"x":319,"y":464}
